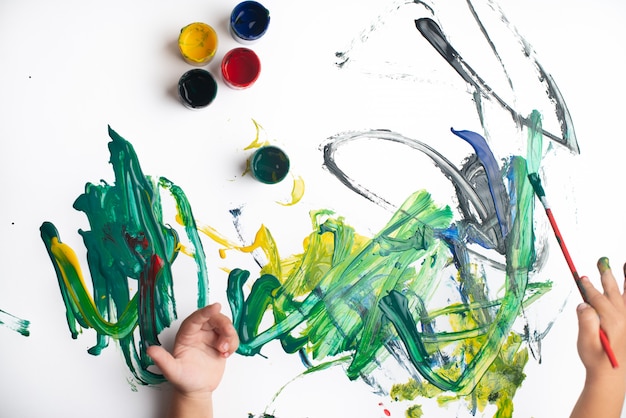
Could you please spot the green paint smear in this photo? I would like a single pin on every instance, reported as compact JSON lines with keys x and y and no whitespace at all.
{"x":128,"y":242}
{"x":497,"y":386}
{"x":346,"y":294}
{"x":414,"y":411}
{"x":14,"y":323}
{"x":487,"y":340}
{"x":348,"y":276}
{"x":350,"y":282}
{"x":535,"y":142}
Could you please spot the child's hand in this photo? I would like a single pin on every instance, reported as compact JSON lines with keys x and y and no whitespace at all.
{"x":205,"y":340}
{"x":606,"y":310}
{"x":605,"y":386}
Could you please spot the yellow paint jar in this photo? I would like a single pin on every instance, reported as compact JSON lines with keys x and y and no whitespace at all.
{"x":197,"y":43}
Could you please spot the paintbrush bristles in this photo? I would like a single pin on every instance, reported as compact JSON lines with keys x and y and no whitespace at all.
{"x":535,"y":181}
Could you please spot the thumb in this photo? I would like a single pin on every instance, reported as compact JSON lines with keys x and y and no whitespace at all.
{"x":163,"y":359}
{"x":588,"y":327}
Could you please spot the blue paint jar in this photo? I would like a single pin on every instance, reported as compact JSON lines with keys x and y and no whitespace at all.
{"x":249,"y":21}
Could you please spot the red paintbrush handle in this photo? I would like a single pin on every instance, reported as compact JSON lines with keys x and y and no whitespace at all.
{"x":604,"y":340}
{"x":607,"y":349}
{"x":535,"y":181}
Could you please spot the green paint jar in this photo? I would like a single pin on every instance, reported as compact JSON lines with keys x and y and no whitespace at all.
{"x":269,"y":164}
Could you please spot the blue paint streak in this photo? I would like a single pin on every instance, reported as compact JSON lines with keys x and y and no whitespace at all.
{"x":492,"y":170}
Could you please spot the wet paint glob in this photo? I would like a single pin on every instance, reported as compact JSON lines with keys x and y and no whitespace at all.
{"x":249,"y":21}
{"x":269,"y":164}
{"x":240,"y":68}
{"x":197,"y":88}
{"x":197,"y":43}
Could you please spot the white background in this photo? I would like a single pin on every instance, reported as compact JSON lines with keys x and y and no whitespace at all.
{"x":70,"y":68}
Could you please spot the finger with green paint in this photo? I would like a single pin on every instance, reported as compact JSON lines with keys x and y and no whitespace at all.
{"x":605,"y":386}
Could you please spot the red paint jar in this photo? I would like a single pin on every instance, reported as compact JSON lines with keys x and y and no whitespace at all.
{"x":240,"y":68}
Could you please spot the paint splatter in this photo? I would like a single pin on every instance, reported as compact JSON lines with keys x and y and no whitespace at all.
{"x":128,"y":243}
{"x":14,"y":323}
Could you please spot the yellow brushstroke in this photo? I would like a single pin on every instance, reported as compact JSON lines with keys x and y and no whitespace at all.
{"x":297,"y":191}
{"x":68,"y":265}
{"x":257,"y":143}
{"x":263,"y":240}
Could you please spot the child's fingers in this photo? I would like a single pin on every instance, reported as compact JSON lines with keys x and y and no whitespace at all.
{"x":197,"y":319}
{"x":204,"y":314}
{"x":217,"y":329}
{"x":589,"y":342}
{"x":609,"y":284}
{"x":228,"y":340}
{"x":163,"y":359}
{"x":593,"y":297}
{"x":588,"y":328}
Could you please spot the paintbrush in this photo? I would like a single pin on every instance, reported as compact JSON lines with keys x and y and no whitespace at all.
{"x":535,"y":181}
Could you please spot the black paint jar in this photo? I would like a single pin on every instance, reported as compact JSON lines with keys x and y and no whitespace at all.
{"x":197,"y":88}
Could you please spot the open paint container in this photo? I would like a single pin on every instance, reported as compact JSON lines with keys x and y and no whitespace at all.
{"x":269,"y":164}
{"x":240,"y":68}
{"x":197,"y":88}
{"x":249,"y":21}
{"x":197,"y":43}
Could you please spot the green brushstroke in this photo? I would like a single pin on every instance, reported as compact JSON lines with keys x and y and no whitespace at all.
{"x":128,"y":241}
{"x":534,"y":143}
{"x":347,"y":284}
{"x":14,"y":323}
{"x":520,"y":258}
{"x":340,"y":312}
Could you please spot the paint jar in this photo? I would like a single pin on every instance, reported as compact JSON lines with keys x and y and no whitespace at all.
{"x":269,"y":164}
{"x":197,"y":88}
{"x":240,"y":68}
{"x":249,"y":21}
{"x":197,"y":43}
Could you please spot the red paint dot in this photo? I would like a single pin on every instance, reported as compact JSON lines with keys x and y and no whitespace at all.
{"x":387,"y":412}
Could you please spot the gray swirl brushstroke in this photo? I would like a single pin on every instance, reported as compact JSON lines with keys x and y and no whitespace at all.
{"x":466,"y":192}
{"x":435,"y":36}
{"x":430,"y":28}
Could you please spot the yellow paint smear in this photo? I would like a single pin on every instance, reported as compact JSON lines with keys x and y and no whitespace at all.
{"x":197,"y":43}
{"x":297,"y":192}
{"x":68,"y":265}
{"x":262,"y":240}
{"x":257,"y":142}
